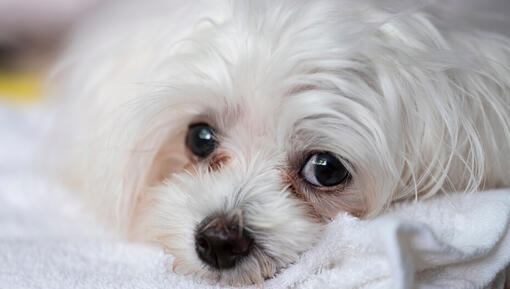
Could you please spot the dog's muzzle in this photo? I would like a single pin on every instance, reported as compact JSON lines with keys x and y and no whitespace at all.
{"x":222,"y":242}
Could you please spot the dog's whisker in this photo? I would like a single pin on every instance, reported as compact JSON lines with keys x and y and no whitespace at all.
{"x":210,"y":224}
{"x":240,"y":221}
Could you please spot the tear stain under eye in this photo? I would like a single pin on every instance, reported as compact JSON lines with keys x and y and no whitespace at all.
{"x":323,"y":204}
{"x":291,"y":180}
{"x":218,"y":160}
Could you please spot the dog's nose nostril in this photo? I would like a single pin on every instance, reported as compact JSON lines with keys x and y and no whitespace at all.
{"x":203,"y":245}
{"x":219,"y":245}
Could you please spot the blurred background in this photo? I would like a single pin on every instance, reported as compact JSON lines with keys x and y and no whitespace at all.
{"x":31,"y":32}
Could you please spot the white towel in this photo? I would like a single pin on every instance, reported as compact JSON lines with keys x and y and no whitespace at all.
{"x":47,"y":240}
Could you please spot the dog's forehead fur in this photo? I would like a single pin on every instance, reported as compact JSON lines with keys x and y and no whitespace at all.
{"x":275,"y":78}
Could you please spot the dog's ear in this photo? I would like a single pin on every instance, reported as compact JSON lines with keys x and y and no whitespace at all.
{"x":447,"y":95}
{"x":158,"y":152}
{"x":111,"y":158}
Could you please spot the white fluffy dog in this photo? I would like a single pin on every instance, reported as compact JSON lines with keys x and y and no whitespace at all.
{"x":229,"y":132}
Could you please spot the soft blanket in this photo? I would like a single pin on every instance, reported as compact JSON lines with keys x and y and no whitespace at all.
{"x":47,"y":240}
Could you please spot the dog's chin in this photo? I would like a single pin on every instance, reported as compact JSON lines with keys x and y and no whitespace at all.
{"x":258,"y":265}
{"x":254,"y":268}
{"x":251,"y":269}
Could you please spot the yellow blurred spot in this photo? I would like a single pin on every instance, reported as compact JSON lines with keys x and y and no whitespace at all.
{"x":21,"y":88}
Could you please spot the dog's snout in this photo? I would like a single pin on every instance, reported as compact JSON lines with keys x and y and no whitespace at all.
{"x":221,"y":243}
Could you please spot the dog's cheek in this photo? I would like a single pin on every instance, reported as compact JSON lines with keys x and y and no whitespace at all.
{"x":323,"y":205}
{"x":330,"y":204}
{"x":170,"y":159}
{"x":162,"y":216}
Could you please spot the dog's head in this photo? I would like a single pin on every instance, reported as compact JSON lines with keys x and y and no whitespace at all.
{"x":233,"y":144}
{"x":253,"y":189}
{"x":261,"y":147}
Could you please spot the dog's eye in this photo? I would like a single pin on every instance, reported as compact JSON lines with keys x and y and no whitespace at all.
{"x":325,"y":170}
{"x":200,"y":140}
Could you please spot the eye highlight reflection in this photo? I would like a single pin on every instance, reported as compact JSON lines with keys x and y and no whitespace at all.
{"x":201,"y":140}
{"x":324,"y":170}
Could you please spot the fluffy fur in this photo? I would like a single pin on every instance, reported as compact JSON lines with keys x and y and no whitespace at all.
{"x":414,"y":106}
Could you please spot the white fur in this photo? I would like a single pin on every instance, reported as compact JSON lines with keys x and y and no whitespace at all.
{"x":416,"y":107}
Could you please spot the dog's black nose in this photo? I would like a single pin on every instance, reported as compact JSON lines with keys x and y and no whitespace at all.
{"x":221,"y":243}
